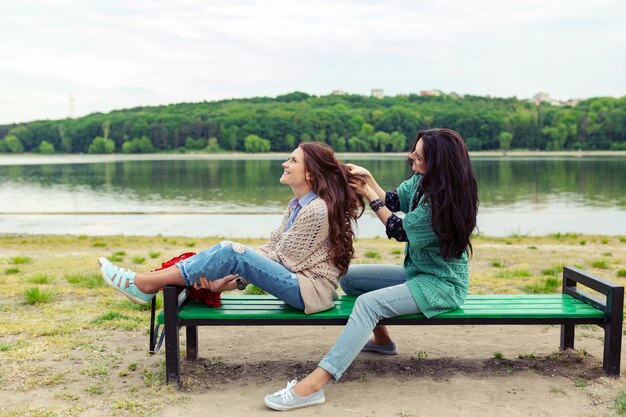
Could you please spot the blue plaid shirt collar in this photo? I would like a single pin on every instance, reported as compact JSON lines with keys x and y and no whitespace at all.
{"x":295,"y":205}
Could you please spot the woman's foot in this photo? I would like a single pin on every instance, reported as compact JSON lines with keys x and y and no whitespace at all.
{"x":386,"y":349}
{"x":287,"y":399}
{"x":123,"y":280}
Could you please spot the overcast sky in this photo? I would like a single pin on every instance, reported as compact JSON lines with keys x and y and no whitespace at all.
{"x":113,"y":54}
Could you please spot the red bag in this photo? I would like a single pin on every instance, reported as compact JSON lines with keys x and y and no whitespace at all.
{"x":205,"y":296}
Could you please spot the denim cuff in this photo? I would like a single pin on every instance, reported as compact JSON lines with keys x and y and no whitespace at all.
{"x":330,"y":369}
{"x":183,"y":273}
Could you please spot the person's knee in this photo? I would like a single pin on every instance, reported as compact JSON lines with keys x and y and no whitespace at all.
{"x":346,"y":285}
{"x":349,"y":286}
{"x":367,"y":305}
{"x":232,"y":246}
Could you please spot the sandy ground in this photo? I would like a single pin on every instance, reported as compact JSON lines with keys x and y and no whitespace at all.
{"x":458,"y":377}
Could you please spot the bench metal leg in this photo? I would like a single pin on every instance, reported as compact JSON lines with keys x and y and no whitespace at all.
{"x":192,"y":342}
{"x":612,"y":349}
{"x":172,"y":346}
{"x":567,"y":336}
{"x":613,"y":331}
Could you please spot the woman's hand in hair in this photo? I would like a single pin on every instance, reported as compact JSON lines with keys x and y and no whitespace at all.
{"x":359,"y":171}
{"x":363,"y":174}
{"x":364,"y":190}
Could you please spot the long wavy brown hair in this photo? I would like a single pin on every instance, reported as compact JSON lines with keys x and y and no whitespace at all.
{"x":450,"y":188}
{"x":330,"y":180}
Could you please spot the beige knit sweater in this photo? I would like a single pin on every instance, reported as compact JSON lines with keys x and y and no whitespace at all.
{"x":305,"y":250}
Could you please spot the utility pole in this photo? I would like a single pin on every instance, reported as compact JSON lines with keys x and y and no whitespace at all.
{"x":71,"y":106}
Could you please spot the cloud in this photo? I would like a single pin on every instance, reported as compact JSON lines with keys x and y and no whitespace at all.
{"x":122,"y":54}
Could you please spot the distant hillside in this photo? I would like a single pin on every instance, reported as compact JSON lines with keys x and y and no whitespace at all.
{"x":346,"y":122}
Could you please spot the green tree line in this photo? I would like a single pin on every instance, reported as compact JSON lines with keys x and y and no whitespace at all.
{"x":346,"y":122}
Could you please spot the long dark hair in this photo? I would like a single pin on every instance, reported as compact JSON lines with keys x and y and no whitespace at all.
{"x":450,"y":189}
{"x":330,"y":180}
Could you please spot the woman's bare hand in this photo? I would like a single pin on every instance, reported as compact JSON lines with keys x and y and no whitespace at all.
{"x":362,"y":189}
{"x":226,"y":283}
{"x":359,"y":170}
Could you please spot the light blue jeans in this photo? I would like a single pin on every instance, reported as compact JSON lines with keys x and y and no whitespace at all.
{"x":383,"y":293}
{"x":226,"y":258}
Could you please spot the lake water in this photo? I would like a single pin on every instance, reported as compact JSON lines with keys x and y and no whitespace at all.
{"x":232,"y":197}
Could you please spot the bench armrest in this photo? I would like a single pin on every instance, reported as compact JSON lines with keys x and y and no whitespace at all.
{"x":614,"y":293}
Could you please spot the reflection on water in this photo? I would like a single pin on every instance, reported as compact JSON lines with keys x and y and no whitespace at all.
{"x":592,"y":189}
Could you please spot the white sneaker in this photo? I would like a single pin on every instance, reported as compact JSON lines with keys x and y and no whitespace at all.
{"x":286,"y":399}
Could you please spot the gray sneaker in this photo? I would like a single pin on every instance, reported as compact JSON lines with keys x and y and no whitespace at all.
{"x":285,"y":399}
{"x":388,"y":349}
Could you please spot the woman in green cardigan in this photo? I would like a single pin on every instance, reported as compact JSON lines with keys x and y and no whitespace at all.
{"x":440,"y":202}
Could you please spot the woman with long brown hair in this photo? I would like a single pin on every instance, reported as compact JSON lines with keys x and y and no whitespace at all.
{"x":303,"y":259}
{"x":440,"y":202}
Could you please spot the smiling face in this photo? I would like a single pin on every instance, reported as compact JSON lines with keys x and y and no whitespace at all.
{"x":295,"y":173}
{"x":417,"y":156}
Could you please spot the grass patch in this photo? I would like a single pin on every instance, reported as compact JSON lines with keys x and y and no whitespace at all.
{"x":254,"y":290}
{"x":99,"y":245}
{"x":154,"y":378}
{"x":115,"y":320}
{"x":557,"y":390}
{"x":190,"y":244}
{"x":154,"y":255}
{"x":118,"y":256}
{"x":498,"y":355}
{"x":621,"y":273}
{"x":563,"y":236}
{"x":95,"y":389}
{"x":67,"y":396}
{"x":36,"y":296}
{"x":607,"y":254}
{"x":39,"y":279}
{"x":600,"y":264}
{"x":86,"y":280}
{"x":580,"y":382}
{"x":19,"y":260}
{"x":498,"y":264}
{"x":396,"y":251}
{"x":532,"y":247}
{"x":620,"y":403}
{"x":139,"y":260}
{"x":514,"y":273}
{"x":12,"y":271}
{"x":422,"y":354}
{"x":133,"y":407}
{"x":556,"y":270}
{"x":372,"y":254}
{"x":546,"y":286}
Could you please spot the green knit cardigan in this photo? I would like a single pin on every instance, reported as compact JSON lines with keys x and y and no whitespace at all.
{"x":436,"y":284}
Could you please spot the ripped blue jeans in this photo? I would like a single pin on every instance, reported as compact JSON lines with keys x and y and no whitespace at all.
{"x":233,"y":258}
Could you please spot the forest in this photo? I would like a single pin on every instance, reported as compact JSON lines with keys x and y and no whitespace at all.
{"x":352,"y":123}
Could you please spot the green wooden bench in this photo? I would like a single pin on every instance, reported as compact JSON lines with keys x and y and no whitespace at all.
{"x":567,"y":309}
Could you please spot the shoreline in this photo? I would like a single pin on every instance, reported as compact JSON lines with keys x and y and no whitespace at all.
{"x":23,"y":159}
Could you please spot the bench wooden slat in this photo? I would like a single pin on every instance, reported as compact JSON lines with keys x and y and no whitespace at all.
{"x":476,"y":307}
